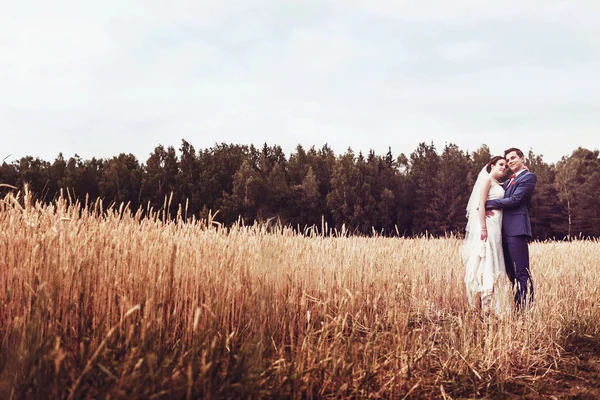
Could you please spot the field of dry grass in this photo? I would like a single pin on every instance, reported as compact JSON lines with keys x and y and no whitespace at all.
{"x":114,"y":305}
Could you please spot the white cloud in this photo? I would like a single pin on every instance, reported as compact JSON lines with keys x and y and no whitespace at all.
{"x":100,"y":79}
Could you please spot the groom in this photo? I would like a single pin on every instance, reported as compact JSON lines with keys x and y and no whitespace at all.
{"x":516,"y":226}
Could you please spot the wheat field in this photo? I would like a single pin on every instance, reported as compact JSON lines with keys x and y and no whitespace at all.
{"x":115,"y":305}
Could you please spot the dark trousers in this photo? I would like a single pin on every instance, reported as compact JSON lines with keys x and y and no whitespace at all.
{"x":516,"y":258}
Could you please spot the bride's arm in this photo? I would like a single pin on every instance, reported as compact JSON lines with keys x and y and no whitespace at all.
{"x":485,"y":189}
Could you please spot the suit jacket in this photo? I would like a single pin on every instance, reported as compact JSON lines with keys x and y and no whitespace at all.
{"x":516,"y":205}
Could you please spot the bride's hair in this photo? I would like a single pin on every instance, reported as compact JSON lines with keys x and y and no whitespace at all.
{"x":493,"y":162}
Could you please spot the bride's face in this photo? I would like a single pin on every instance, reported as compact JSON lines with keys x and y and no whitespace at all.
{"x":498,"y":169}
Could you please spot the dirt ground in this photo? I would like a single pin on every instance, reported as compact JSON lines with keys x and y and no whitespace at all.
{"x":577,"y":376}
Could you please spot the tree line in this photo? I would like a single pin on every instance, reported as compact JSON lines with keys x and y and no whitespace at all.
{"x":425,"y":192}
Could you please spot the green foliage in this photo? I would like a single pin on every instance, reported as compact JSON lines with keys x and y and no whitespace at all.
{"x":425,"y":192}
{"x":424,"y":166}
{"x":578,"y":185}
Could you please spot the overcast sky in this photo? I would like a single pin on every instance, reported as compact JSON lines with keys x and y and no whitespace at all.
{"x":104,"y":77}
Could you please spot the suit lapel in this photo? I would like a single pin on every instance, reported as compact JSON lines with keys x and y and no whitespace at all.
{"x":510,"y":188}
{"x":506,"y":185}
{"x":521,"y":175}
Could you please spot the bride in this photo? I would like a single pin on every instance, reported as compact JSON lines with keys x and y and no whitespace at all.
{"x":485,"y":274}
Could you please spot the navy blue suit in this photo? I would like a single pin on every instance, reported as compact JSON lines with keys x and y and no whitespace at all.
{"x":516,"y":232}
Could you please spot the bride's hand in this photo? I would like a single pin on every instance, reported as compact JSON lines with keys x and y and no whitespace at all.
{"x":484,"y":235}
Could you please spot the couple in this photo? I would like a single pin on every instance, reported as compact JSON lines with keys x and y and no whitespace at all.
{"x":498,"y":232}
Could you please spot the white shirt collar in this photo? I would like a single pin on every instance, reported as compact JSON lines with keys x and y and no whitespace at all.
{"x":519,"y":173}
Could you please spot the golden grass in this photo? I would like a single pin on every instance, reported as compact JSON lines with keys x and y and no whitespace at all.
{"x":99,"y":305}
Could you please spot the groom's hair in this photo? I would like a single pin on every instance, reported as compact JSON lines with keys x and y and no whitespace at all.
{"x":519,"y":152}
{"x":493,"y":162}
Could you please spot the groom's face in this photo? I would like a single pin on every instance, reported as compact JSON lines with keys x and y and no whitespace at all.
{"x":515,"y":163}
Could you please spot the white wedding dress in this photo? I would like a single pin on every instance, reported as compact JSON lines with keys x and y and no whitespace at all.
{"x":485,"y":273}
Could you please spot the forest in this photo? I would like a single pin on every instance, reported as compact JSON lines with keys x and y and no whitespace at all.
{"x":423,"y":193}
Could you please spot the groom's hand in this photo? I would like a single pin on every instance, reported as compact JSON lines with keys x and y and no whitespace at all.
{"x":489,"y":213}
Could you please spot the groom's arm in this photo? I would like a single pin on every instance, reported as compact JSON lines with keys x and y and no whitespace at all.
{"x":521,"y":194}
